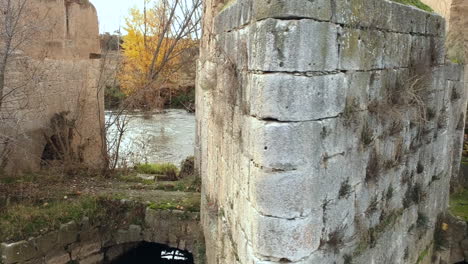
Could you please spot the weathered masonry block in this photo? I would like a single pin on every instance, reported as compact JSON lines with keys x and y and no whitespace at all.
{"x":328,"y":131}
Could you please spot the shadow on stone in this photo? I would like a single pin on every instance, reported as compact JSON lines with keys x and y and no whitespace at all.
{"x":156,"y":254}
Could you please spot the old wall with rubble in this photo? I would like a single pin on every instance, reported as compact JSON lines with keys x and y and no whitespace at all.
{"x":328,"y":131}
{"x":54,"y":75}
{"x":89,"y":242}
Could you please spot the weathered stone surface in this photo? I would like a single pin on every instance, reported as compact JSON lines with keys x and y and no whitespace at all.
{"x":361,"y":50}
{"x":234,"y":15}
{"x":283,"y":194}
{"x":293,"y":46}
{"x":18,"y":252}
{"x":291,"y":239}
{"x":396,"y":50}
{"x":94,"y":259}
{"x":133,"y":234}
{"x":291,"y":9}
{"x":57,"y":257}
{"x":114,"y":252}
{"x":82,"y":250}
{"x":68,"y":233}
{"x":311,"y":139}
{"x":47,"y":242}
{"x":289,"y":97}
{"x":58,"y":48}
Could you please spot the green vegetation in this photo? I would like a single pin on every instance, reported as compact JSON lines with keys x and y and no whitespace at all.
{"x":22,"y":220}
{"x":183,"y":100}
{"x":415,"y":3}
{"x":187,"y":204}
{"x":158,"y":169}
{"x":113,"y":97}
{"x":423,"y":255}
{"x":185,"y":185}
{"x":459,"y":204}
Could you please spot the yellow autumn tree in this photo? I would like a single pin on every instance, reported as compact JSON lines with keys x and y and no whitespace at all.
{"x":156,"y":38}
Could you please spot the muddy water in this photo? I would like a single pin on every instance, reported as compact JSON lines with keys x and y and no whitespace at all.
{"x":157,"y":137}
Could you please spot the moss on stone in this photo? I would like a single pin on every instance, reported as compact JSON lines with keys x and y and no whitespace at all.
{"x":423,"y":255}
{"x":415,"y":3}
{"x":459,"y":204}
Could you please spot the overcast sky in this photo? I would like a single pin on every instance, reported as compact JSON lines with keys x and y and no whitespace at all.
{"x":113,"y":12}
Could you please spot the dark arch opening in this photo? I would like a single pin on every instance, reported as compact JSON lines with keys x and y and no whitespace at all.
{"x":52,"y":150}
{"x":154,"y":253}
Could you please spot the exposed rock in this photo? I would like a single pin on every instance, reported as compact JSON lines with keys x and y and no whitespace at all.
{"x":18,"y":252}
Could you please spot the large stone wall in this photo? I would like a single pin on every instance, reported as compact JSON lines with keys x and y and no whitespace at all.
{"x":328,"y":131}
{"x":54,"y":71}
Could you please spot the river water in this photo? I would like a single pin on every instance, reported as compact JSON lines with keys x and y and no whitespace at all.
{"x":156,"y":137}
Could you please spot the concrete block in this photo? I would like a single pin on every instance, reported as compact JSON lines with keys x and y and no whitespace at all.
{"x":293,"y":46}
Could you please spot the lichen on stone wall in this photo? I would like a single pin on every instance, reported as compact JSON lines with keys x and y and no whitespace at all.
{"x":346,"y":104}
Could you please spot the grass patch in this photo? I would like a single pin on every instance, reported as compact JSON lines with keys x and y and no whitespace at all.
{"x":157,"y":168}
{"x":185,"y":185}
{"x":23,"y":220}
{"x":459,"y":204}
{"x":415,"y":3}
{"x":188,"y":204}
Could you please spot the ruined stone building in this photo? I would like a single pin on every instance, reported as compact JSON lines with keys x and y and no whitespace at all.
{"x":328,"y":131}
{"x":55,"y":104}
